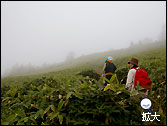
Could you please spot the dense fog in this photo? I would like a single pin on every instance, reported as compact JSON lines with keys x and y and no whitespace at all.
{"x":38,"y":33}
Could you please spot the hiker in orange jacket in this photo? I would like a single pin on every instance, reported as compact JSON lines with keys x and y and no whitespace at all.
{"x":109,"y":69}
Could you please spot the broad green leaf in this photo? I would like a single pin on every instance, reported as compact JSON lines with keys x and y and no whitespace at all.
{"x":158,"y":96}
{"x":86,"y":84}
{"x":106,"y":79}
{"x":118,"y":92}
{"x":41,"y":111}
{"x":112,"y":78}
{"x":137,"y":85}
{"x":60,"y":118}
{"x":141,"y":88}
{"x":121,"y":103}
{"x":50,"y":114}
{"x":77,"y":95}
{"x":39,"y":87}
{"x":52,"y":107}
{"x":68,"y":95}
{"x":37,"y":115}
{"x":25,"y":119}
{"x":47,"y":109}
{"x":19,"y":95}
{"x":113,"y":88}
{"x":54,"y":115}
{"x":60,"y":105}
{"x":107,"y":87}
{"x":116,"y":79}
{"x":152,"y":92}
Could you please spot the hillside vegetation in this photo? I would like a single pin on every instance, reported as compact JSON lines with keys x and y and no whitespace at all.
{"x":87,"y":60}
{"x":65,"y":96}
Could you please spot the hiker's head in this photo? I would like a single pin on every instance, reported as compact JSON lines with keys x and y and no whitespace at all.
{"x":109,"y":59}
{"x":133,"y":62}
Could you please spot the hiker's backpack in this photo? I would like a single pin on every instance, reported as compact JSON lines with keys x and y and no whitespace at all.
{"x":110,"y":67}
{"x":142,"y":78}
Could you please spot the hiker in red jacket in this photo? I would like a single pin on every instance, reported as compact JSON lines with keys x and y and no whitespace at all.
{"x":137,"y":75}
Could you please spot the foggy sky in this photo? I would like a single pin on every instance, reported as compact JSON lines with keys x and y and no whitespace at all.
{"x":39,"y":32}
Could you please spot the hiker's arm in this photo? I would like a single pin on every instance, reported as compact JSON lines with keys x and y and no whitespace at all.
{"x":130,"y":80}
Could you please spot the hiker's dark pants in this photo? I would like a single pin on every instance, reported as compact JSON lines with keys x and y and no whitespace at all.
{"x":108,"y":77}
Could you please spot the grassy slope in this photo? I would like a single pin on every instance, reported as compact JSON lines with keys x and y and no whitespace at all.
{"x":152,"y":58}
